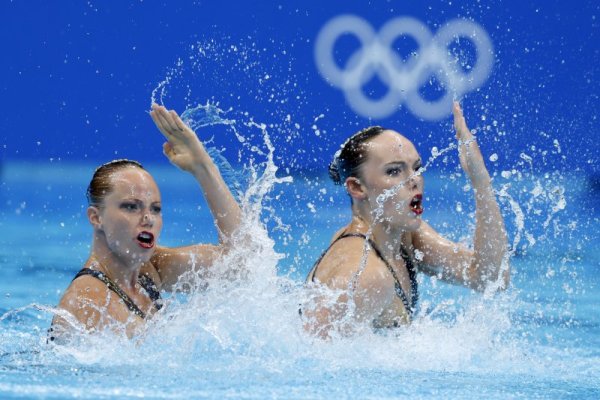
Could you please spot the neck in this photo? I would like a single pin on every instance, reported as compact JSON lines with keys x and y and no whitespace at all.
{"x":387,"y":237}
{"x":122,"y":271}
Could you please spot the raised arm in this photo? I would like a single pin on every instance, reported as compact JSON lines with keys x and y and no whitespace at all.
{"x":184,"y":149}
{"x":488,"y":261}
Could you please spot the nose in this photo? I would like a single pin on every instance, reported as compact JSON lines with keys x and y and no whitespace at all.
{"x":147,"y":219}
{"x":416,"y":182}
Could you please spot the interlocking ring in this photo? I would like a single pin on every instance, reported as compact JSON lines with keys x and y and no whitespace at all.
{"x":376,"y":57}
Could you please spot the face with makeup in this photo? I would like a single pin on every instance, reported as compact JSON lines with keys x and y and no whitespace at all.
{"x":391,"y":180}
{"x":129,"y":217}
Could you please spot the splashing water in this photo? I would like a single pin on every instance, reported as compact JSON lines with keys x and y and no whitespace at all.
{"x":236,"y":331}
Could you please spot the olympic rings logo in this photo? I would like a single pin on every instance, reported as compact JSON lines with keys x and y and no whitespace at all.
{"x":403,"y":78}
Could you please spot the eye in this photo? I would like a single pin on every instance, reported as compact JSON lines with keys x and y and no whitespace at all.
{"x":156,"y":209}
{"x":393,"y":171}
{"x":130,"y":206}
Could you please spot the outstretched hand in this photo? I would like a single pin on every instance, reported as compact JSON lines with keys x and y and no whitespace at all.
{"x":183,"y":148}
{"x":470,"y":156}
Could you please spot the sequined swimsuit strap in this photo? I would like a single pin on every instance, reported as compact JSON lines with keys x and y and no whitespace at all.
{"x":150,"y":288}
{"x":412,"y":275}
{"x":409,"y":305}
{"x":144,"y":280}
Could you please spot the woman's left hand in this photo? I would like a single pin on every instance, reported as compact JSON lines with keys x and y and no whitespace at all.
{"x":471,"y":159}
{"x":183,"y":148}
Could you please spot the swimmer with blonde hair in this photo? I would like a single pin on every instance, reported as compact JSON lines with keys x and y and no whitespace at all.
{"x":120,"y":283}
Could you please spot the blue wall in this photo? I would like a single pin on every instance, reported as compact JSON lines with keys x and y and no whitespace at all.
{"x":77,"y":77}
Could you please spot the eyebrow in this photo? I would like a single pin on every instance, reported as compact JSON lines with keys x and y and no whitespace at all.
{"x":140,"y":201}
{"x":403,"y":163}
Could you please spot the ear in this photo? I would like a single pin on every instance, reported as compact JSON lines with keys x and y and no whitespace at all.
{"x":93,"y":214}
{"x":355,"y":188}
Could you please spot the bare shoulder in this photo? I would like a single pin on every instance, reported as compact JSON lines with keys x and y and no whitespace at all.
{"x":149,"y":269}
{"x":338,"y":234}
{"x":343,"y":261}
{"x":84,"y":290}
{"x":87,"y":299}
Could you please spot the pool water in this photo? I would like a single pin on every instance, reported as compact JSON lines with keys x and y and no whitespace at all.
{"x":243,"y":338}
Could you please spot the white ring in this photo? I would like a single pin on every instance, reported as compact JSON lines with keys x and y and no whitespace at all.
{"x":404,"y":78}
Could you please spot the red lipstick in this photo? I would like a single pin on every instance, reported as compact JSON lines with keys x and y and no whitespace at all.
{"x":146,"y":240}
{"x":416,"y":204}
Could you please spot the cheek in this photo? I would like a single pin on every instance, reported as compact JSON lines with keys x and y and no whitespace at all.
{"x":118,"y":224}
{"x":401,"y":207}
{"x":398,"y":201}
{"x":398,"y":183}
{"x":398,"y":192}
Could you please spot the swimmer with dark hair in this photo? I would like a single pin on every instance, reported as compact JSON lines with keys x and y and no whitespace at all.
{"x":373,"y":261}
{"x":120,"y":283}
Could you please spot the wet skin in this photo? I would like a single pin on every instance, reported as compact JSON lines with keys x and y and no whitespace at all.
{"x":391,"y":177}
{"x":126,"y":228}
{"x":132,"y":208}
{"x":387,"y":204}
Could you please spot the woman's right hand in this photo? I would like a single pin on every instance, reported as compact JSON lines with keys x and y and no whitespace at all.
{"x":183,"y":148}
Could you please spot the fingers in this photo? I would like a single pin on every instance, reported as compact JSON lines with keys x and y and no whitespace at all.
{"x":456,"y":108}
{"x":167,"y":148}
{"x":168,"y":119}
{"x":460,"y":125}
{"x":160,"y":123}
{"x":177,"y":121}
{"x":470,"y":156}
{"x":458,"y":117}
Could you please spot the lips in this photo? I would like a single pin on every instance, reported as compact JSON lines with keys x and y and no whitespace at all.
{"x":146,"y":240}
{"x":416,"y":204}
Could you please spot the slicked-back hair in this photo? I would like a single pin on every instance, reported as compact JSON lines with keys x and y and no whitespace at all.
{"x":352,"y":154}
{"x":100,"y":185}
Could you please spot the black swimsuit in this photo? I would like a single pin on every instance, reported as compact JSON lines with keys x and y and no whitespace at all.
{"x":409,"y":305}
{"x":145,"y":281}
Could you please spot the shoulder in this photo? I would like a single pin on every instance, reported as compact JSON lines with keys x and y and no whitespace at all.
{"x":150,"y":270}
{"x":86,"y":299}
{"x":84,"y":288}
{"x":344,"y":259}
{"x":338,"y":234}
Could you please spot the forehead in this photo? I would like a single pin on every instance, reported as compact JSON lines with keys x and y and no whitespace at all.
{"x":134,"y":182}
{"x":390,"y":146}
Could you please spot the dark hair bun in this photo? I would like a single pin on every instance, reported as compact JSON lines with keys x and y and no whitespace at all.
{"x":334,"y":170}
{"x":351,"y":155}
